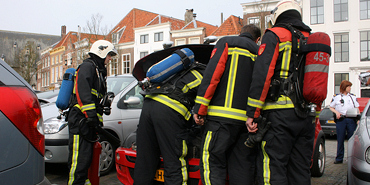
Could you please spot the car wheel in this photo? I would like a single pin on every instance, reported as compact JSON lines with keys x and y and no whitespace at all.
{"x":319,"y":159}
{"x":106,"y":156}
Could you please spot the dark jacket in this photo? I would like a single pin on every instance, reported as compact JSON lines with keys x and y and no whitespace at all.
{"x":222,"y":96}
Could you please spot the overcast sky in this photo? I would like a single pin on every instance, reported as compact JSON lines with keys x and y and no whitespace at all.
{"x":47,"y":16}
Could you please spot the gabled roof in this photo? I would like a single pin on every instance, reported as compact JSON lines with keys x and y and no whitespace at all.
{"x":71,"y":37}
{"x":231,"y":26}
{"x":197,"y":24}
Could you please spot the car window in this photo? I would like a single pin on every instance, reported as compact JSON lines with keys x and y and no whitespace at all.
{"x":326,"y":114}
{"x":117,"y":84}
{"x":135,"y":92}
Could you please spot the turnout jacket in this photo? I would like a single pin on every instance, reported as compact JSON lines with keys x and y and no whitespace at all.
{"x":89,"y":88}
{"x":222,"y":96}
{"x":182,"y":98}
{"x":273,"y":62}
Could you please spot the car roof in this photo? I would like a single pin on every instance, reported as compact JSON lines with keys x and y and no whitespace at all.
{"x":15,"y":74}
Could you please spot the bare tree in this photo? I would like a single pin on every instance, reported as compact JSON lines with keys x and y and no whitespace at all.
{"x":25,"y":61}
{"x":94,"y":26}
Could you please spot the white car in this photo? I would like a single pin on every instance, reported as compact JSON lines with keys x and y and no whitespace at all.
{"x":358,"y":172}
{"x":123,"y":120}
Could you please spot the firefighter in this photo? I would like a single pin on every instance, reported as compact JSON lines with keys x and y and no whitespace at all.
{"x":86,"y":111}
{"x":163,"y":129}
{"x":285,"y":151}
{"x":339,"y":106}
{"x":221,"y":101}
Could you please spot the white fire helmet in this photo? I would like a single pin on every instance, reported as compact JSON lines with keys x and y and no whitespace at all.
{"x":283,"y":6}
{"x":102,"y":48}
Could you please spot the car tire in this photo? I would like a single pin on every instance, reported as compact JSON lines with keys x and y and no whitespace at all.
{"x":107,"y":159}
{"x":319,"y":159}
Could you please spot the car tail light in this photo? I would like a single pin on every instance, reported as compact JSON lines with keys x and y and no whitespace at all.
{"x":22,"y":108}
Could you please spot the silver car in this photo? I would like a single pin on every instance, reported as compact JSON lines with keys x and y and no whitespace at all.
{"x":359,"y":150}
{"x":123,"y":120}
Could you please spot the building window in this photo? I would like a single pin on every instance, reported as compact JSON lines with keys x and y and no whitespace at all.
{"x":143,"y":54}
{"x":340,"y":10}
{"x":144,"y":39}
{"x":317,"y":11}
{"x":158,"y":36}
{"x":117,"y":36}
{"x":364,"y":9}
{"x":254,"y":20}
{"x":338,"y":78}
{"x":126,"y":63}
{"x":194,"y":40}
{"x":365,"y":45}
{"x":114,"y":66}
{"x":180,"y":42}
{"x":341,"y":47}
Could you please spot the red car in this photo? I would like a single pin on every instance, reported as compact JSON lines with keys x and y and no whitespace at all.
{"x":126,"y":155}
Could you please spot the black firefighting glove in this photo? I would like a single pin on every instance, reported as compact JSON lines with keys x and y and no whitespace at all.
{"x":263,"y":126}
{"x":93,"y":122}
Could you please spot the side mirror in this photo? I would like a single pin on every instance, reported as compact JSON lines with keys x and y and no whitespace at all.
{"x":353,"y":113}
{"x":133,"y":100}
{"x":210,"y":39}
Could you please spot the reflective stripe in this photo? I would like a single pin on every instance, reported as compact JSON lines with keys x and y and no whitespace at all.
{"x":87,"y":182}
{"x":316,"y":68}
{"x":202,"y":100}
{"x":227,"y":112}
{"x":94,"y":92}
{"x":282,"y":103}
{"x":287,"y":48}
{"x":184,"y":170}
{"x":100,"y":117}
{"x":194,"y":83}
{"x":75,"y":148}
{"x":231,"y":79}
{"x":266,"y":165}
{"x":205,"y":158}
{"x":174,"y":104}
{"x":255,"y":103}
{"x":243,"y":52}
{"x":90,"y":106}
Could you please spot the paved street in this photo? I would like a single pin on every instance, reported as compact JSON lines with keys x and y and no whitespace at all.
{"x":335,"y":174}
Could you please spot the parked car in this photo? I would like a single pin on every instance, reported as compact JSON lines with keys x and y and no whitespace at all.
{"x":126,"y":154}
{"x":21,"y":135}
{"x":327,"y":117}
{"x":126,"y":108}
{"x":47,"y":101}
{"x":358,"y":152}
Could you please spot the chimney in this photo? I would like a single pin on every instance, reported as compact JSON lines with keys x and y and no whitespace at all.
{"x":64,"y":31}
{"x":222,"y":17}
{"x":188,"y":16}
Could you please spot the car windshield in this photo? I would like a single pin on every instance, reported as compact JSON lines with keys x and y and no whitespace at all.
{"x":116,"y":84}
{"x":47,"y":94}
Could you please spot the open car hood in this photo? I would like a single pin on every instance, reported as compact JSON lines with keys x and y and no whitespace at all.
{"x":202,"y":54}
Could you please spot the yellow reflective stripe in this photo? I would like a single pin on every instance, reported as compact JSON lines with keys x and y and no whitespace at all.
{"x":174,"y":104}
{"x":194,"y":83}
{"x":205,"y":158}
{"x":231,"y":78}
{"x":75,"y":148}
{"x":243,"y":52}
{"x":202,"y":100}
{"x":94,"y":92}
{"x":90,"y":106}
{"x":184,"y":170}
{"x":287,"y":48}
{"x":78,"y":106}
{"x":87,"y":182}
{"x":266,"y":165}
{"x":255,"y":103}
{"x":227,"y":112}
{"x":100,"y":117}
{"x":282,"y":103}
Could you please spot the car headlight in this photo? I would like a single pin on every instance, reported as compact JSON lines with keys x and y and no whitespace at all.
{"x":53,"y":126}
{"x":367,"y":155}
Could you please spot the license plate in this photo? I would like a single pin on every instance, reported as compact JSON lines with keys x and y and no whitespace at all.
{"x":330,"y":121}
{"x":159,"y":175}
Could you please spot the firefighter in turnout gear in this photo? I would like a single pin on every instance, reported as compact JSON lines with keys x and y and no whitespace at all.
{"x":221,"y":102}
{"x":163,"y":128}
{"x":85,"y":109}
{"x":285,"y":151}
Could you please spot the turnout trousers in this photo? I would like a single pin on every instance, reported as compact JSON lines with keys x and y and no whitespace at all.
{"x":224,"y":155}
{"x":285,"y":152}
{"x":342,"y":126}
{"x":80,"y":153}
{"x":161,"y":131}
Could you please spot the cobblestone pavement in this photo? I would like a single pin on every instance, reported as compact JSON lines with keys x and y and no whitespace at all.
{"x":335,"y":174}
